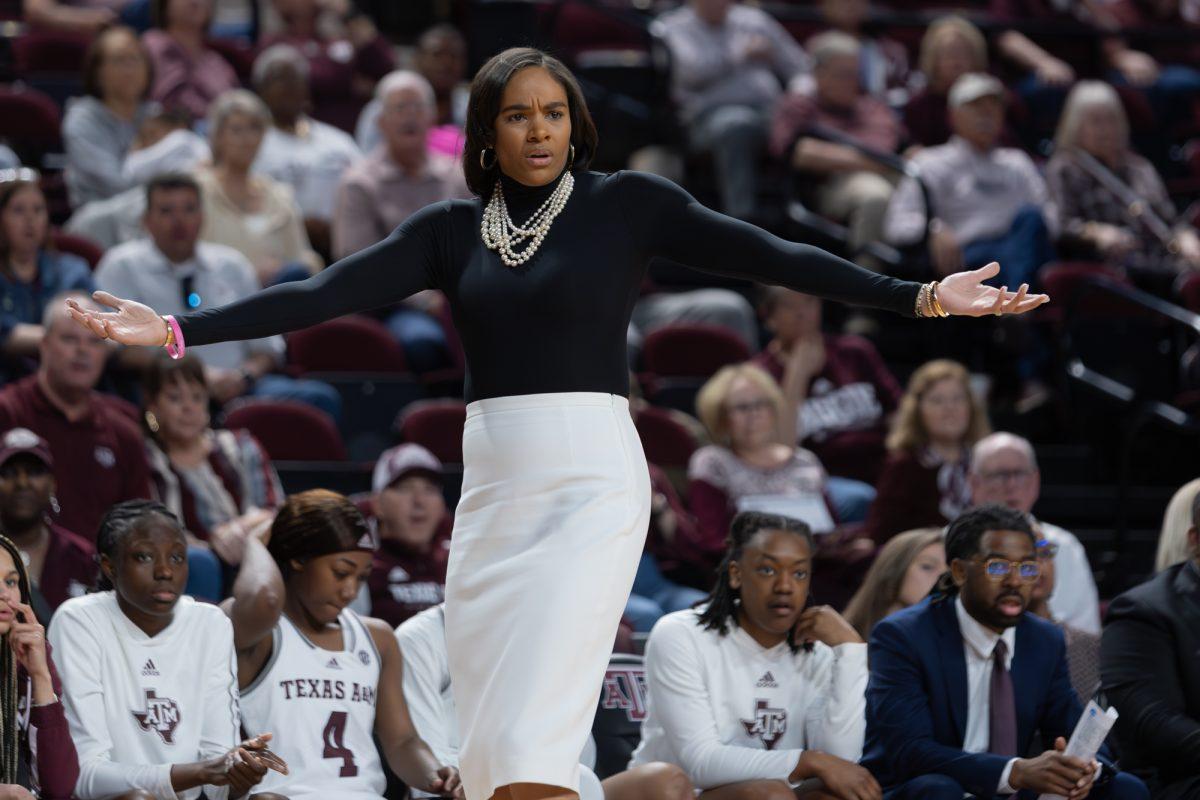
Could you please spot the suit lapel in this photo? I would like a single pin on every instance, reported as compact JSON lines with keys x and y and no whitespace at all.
{"x":1030,"y":676}
{"x":954,"y":663}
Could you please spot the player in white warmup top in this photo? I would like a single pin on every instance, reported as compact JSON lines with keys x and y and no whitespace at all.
{"x":148,"y":674}
{"x":751,"y":694}
{"x":324,"y":679}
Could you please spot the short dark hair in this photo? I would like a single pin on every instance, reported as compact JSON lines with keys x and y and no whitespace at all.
{"x":721,"y":608}
{"x":123,"y":519}
{"x":967,"y":530}
{"x":484,"y":105}
{"x":439,"y":31}
{"x":168,"y":181}
{"x":93,"y":58}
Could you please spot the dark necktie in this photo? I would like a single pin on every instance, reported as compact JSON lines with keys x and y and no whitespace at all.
{"x":1002,"y":727}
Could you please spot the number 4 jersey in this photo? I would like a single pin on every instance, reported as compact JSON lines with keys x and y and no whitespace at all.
{"x":320,"y":705}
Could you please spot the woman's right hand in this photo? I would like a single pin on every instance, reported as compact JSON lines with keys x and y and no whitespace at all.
{"x":131,"y":323}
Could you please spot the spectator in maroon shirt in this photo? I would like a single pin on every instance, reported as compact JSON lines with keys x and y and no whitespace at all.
{"x":98,"y":456}
{"x":60,"y":564}
{"x":850,"y":186}
{"x":924,"y":481}
{"x":188,"y":74}
{"x":951,"y":48}
{"x":839,"y":393}
{"x":33,"y":713}
{"x":409,"y":572}
{"x":343,"y":70}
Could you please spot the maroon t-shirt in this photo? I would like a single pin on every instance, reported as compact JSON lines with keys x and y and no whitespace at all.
{"x":70,"y":568}
{"x":99,"y":459}
{"x":404,"y":582}
{"x":917,"y":491}
{"x":844,"y":417}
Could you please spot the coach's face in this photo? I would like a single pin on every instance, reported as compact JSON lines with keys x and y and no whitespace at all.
{"x":997,"y":600}
{"x":533,"y":128}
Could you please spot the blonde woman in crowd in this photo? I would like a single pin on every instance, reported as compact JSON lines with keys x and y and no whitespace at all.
{"x":905,"y":570}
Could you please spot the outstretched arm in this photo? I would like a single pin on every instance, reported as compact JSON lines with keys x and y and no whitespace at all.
{"x":384,"y":273}
{"x":666,"y":221}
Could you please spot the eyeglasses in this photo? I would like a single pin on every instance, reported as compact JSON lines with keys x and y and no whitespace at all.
{"x":20,"y":174}
{"x":1000,"y":568}
{"x":1046,"y":550}
{"x":750,"y":407}
{"x":187,"y":288}
{"x":1003,"y":476}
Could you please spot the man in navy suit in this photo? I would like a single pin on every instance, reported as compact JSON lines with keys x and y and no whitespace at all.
{"x":961,"y":682}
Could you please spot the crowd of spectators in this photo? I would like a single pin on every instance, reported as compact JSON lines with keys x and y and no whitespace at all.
{"x":824,"y":475}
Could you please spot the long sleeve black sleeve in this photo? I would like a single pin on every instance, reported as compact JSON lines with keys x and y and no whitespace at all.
{"x":667,"y":221}
{"x":386,"y":272}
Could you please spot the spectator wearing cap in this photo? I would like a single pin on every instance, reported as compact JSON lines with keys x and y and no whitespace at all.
{"x":1004,"y":470}
{"x":850,"y":186}
{"x":187,"y":74}
{"x":306,"y":154}
{"x":98,"y":456}
{"x":987,"y":203}
{"x":409,"y":572}
{"x":60,"y":564}
{"x":730,"y":62}
{"x":173,"y":270}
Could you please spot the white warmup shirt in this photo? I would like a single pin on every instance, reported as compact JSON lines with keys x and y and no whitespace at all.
{"x":320,"y":706}
{"x":725,"y":709}
{"x":1075,"y":601}
{"x":311,"y":164}
{"x":136,"y":704}
{"x":422,"y":640}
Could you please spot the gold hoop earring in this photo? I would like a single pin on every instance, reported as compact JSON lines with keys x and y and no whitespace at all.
{"x":482,"y":153}
{"x":152,"y":422}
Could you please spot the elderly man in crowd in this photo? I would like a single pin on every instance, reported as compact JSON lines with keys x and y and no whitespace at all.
{"x":1004,"y":470}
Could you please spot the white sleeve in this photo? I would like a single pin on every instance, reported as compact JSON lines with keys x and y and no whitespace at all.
{"x":906,"y":217}
{"x":1075,"y":601}
{"x":221,"y":726}
{"x":837,"y":722}
{"x":426,"y":670}
{"x":679,"y":696}
{"x":77,"y":654}
{"x":115,"y":276}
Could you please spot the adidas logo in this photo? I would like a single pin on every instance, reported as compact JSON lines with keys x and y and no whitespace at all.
{"x":767,"y":681}
{"x":149,"y":670}
{"x":333,"y":664}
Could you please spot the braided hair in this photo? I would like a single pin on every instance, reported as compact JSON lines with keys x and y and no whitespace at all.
{"x":966,"y":531}
{"x":720,"y":610}
{"x":121,"y":520}
{"x":317,"y":523}
{"x":11,"y":744}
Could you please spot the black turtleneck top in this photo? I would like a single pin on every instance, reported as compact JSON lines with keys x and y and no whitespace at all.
{"x":557,"y":323}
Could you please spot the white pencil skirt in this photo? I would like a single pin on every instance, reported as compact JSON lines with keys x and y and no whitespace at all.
{"x":547,"y":537}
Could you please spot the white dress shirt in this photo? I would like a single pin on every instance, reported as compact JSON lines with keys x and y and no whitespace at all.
{"x":1075,"y":601}
{"x":311,"y":161}
{"x":979,"y":645}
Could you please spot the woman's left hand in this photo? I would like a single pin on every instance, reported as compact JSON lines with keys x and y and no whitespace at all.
{"x":28,"y":641}
{"x":964,"y":294}
{"x":447,"y":784}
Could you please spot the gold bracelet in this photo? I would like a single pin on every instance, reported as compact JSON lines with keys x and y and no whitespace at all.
{"x":934,"y":302}
{"x":170,"y":333}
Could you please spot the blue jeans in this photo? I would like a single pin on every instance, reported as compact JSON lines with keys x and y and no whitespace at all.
{"x":1123,"y":786}
{"x":850,"y":498}
{"x":314,"y":393}
{"x":1021,"y":251}
{"x":422,"y":338}
{"x":653,"y":596}
{"x":204,"y":575}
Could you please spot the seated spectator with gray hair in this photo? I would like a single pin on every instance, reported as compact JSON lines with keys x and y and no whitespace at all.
{"x":306,"y":154}
{"x":987,"y":203}
{"x":252,"y":213}
{"x":820,"y":134}
{"x":175,"y":270}
{"x":1004,"y":470}
{"x":396,"y":179}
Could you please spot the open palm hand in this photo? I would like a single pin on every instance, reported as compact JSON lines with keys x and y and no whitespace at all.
{"x":965,"y":294}
{"x":131,"y":323}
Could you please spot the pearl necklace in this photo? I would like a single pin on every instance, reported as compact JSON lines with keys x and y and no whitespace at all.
{"x":501,"y":234}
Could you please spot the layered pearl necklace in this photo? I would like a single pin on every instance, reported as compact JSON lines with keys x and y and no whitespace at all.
{"x":501,"y":234}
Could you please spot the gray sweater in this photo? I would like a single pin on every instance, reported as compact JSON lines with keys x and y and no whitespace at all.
{"x":97,"y":142}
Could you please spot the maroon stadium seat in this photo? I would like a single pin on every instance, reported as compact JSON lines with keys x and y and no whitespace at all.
{"x":691,"y":351}
{"x":436,"y":425}
{"x":31,"y":119}
{"x":50,"y":52}
{"x":348,"y":344}
{"x":85,"y":248}
{"x":666,"y":442}
{"x":288,"y":430}
{"x":1065,"y":281}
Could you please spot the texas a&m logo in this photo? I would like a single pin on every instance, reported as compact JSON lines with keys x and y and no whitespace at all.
{"x":625,"y":688}
{"x":161,"y":716}
{"x":769,"y":724}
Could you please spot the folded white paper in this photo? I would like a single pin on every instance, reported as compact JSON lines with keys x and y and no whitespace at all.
{"x":1090,"y":733}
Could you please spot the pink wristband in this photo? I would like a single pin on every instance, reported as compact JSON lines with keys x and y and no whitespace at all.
{"x":177,"y":349}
